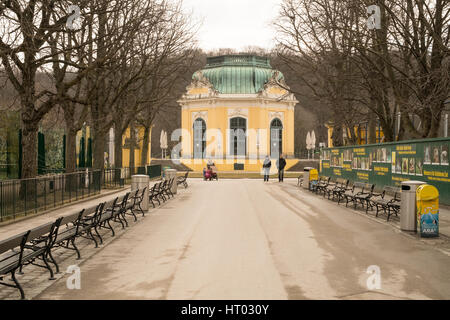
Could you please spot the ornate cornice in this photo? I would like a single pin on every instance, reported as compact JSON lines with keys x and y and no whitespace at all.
{"x":236,"y":112}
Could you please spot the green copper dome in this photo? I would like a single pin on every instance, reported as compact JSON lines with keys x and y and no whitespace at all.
{"x":238,"y":74}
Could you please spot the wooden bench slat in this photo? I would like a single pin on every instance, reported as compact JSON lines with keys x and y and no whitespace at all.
{"x":12,"y":242}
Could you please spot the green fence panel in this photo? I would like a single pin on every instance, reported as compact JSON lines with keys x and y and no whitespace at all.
{"x":141,"y":170}
{"x":154,"y":171}
{"x":391,"y":163}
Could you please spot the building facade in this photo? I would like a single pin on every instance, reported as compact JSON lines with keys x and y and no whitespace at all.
{"x":236,"y":111}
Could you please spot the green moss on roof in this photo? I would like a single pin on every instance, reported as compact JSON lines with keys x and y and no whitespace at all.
{"x":238,"y":74}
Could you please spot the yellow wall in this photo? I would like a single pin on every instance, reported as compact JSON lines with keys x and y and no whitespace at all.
{"x":249,"y":166}
{"x":137,"y":151}
{"x":360,"y":134}
{"x":79,"y":135}
{"x":258,"y":118}
{"x":218,"y":118}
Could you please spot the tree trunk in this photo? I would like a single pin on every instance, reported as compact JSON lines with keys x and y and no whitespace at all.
{"x":409,"y":131}
{"x":371,"y":129}
{"x":435,"y":124}
{"x":71,"y":151}
{"x":99,"y":149}
{"x":118,"y":147}
{"x":145,"y":148}
{"x":337,"y":136}
{"x":29,"y":149}
{"x":132,"y":145}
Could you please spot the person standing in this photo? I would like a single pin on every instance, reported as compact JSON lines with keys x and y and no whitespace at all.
{"x":281,"y":164}
{"x":266,"y":168}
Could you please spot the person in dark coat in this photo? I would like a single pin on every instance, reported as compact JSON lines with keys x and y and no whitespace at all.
{"x":281,"y":164}
{"x":266,"y":168}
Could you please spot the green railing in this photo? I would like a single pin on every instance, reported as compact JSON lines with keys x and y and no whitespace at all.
{"x":154,"y":171}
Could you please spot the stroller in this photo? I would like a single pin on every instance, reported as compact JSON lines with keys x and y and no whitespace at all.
{"x":210,"y":173}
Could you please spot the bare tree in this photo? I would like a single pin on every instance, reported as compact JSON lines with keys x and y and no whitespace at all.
{"x":322,"y":57}
{"x":27,"y":27}
{"x":400,"y":67}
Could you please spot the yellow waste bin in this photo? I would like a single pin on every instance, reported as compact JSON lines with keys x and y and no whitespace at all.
{"x":313,"y":179}
{"x":313,"y":175}
{"x":427,"y":198}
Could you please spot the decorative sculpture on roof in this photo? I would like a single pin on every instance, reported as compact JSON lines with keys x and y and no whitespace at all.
{"x":276,"y":87}
{"x":200,"y":87}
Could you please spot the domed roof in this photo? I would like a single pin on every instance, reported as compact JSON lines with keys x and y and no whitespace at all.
{"x":238,"y":74}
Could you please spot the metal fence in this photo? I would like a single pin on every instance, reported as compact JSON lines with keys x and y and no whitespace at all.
{"x":307,"y":154}
{"x":23,"y":197}
{"x":118,"y":177}
{"x":28,"y":196}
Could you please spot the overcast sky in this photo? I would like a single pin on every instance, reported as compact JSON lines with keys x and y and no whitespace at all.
{"x":234,"y":23}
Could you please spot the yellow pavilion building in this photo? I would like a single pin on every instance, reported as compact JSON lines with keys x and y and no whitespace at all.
{"x":236,"y":111}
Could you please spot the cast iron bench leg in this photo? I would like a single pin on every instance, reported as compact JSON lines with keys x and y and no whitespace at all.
{"x":53,"y":261}
{"x":76,"y":249}
{"x":13,"y":277}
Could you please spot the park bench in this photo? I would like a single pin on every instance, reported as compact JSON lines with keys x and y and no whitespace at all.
{"x":323,"y":183}
{"x":340,"y":187}
{"x":119,"y":209}
{"x":329,"y":187}
{"x":37,"y":244}
{"x":41,"y":240}
{"x":168,"y":188}
{"x":388,"y":200}
{"x":153,"y":194}
{"x":103,"y":220}
{"x":160,"y":190}
{"x":350,"y":193}
{"x":134,"y":203}
{"x":364,"y":195}
{"x":76,"y":225}
{"x":81,"y":224}
{"x":320,"y":181}
{"x":183,"y":180}
{"x":11,"y":257}
{"x":24,"y":249}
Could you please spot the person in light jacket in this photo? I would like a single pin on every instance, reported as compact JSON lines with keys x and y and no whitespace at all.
{"x":281,"y":164}
{"x":266,"y":168}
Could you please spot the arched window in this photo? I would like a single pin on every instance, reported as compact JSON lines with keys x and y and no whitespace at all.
{"x":276,"y":138}
{"x":199,"y":138}
{"x":238,"y":136}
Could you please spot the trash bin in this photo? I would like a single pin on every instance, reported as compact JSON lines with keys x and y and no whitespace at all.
{"x":408,"y":220}
{"x":313,"y":178}
{"x":164,"y":171}
{"x":169,"y":174}
{"x":140,"y":182}
{"x":428,"y":211}
{"x":306,"y":172}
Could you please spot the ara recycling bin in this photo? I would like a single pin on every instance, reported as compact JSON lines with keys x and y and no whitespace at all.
{"x":313,"y":178}
{"x":408,"y":220}
{"x":140,"y":182}
{"x":169,"y":174}
{"x":306,"y":172}
{"x":428,"y":211}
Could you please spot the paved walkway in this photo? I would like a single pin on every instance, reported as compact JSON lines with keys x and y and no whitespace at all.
{"x":243,"y":239}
